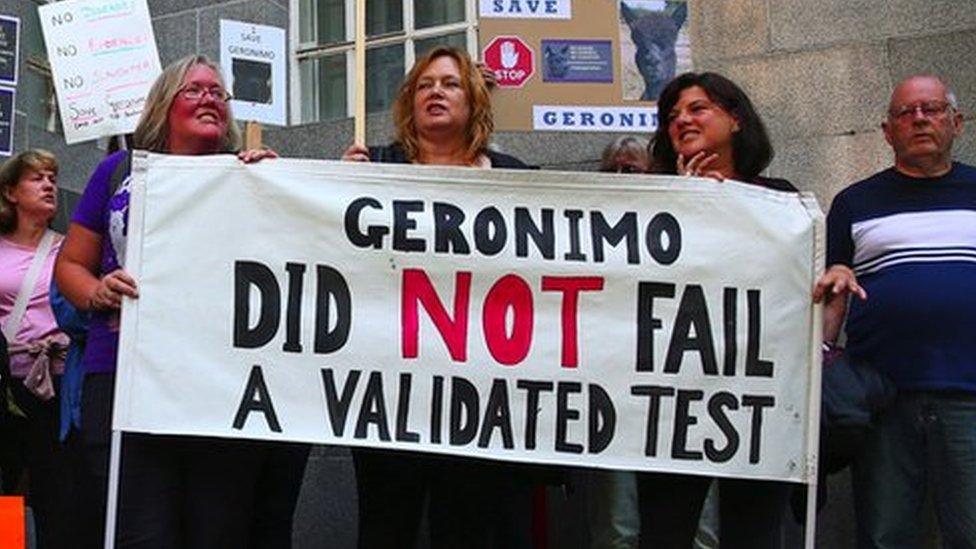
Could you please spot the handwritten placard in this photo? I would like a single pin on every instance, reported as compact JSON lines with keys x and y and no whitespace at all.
{"x":9,"y":38}
{"x":253,"y":61}
{"x":104,"y":60}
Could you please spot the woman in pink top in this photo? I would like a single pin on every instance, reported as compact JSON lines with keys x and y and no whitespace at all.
{"x":28,"y":203}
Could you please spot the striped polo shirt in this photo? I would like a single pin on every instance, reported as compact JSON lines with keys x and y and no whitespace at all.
{"x":912,"y":244}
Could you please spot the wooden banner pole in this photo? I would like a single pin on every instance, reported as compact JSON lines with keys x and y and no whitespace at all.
{"x":252,"y":135}
{"x":359,"y":136}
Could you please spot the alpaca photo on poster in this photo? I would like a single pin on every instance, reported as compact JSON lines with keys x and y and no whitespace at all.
{"x":252,"y":81}
{"x":654,"y":45}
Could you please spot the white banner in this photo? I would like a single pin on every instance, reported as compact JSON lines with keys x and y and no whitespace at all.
{"x":628,"y":322}
{"x":103,"y":62}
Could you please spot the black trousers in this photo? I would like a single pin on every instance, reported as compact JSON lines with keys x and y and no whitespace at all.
{"x":750,"y":511}
{"x":32,"y":445}
{"x":185,"y":492}
{"x":471,"y":503}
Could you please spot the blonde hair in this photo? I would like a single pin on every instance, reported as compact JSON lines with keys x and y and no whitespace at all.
{"x":11,"y":173}
{"x":480,"y":123}
{"x":631,"y":145}
{"x":152,"y":132}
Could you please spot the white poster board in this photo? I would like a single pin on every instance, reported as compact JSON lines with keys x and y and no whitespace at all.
{"x":623,"y":322}
{"x":253,"y":61}
{"x":103,"y":61}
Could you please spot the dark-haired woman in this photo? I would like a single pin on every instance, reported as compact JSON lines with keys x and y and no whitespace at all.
{"x":711,"y":130}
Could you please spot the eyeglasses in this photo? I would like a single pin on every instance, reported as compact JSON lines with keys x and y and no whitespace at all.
{"x":622,"y":168}
{"x":929,"y":109}
{"x":196,"y":93}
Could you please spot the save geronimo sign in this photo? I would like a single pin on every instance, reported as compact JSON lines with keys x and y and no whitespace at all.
{"x":612,"y":321}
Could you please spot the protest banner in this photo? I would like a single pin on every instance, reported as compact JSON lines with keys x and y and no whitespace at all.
{"x":626,"y":322}
{"x":103,"y":61}
{"x":582,"y":66}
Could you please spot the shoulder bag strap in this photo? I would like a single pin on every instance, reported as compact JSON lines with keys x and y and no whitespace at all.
{"x":12,"y":326}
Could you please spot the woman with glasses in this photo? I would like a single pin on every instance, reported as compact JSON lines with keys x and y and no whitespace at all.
{"x":175,"y":492}
{"x":711,"y":129}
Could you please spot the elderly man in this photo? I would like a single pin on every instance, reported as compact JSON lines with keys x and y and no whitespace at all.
{"x":903,"y":242}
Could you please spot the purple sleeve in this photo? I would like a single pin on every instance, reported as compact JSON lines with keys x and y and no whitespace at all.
{"x":90,"y":212}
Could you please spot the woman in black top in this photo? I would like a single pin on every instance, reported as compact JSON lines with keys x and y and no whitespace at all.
{"x":709,"y":128}
{"x":443,"y":117}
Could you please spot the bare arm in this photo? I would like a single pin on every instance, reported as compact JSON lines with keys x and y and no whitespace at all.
{"x":75,"y":273}
{"x":833,"y":289}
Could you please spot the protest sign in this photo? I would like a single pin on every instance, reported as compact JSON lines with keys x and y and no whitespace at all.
{"x":253,"y":61}
{"x":9,"y":41}
{"x":103,"y":62}
{"x":602,"y":64}
{"x":629,"y":322}
{"x":7,"y":117}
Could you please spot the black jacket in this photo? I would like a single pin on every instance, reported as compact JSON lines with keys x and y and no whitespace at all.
{"x":394,"y":154}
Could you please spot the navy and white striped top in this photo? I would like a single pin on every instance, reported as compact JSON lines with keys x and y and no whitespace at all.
{"x":912,"y":244}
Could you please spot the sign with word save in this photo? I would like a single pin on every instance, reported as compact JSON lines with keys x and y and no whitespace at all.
{"x":103,"y":60}
{"x":641,"y":323}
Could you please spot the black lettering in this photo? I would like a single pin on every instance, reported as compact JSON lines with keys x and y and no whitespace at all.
{"x":256,"y":399}
{"x":497,"y":416}
{"x":730,"y":298}
{"x":660,"y":225}
{"x":403,"y":411}
{"x":575,"y":252}
{"x":338,"y":406}
{"x":601,"y":231}
{"x":544,"y":238}
{"x":436,"y":409}
{"x":374,"y":235}
{"x":755,"y":366}
{"x":246,"y":274}
{"x":647,"y":323}
{"x":603,"y":419}
{"x":564,"y":415}
{"x":331,"y":285}
{"x":403,"y":223}
{"x":653,"y":394}
{"x":373,"y":410}
{"x":716,"y":406}
{"x":692,"y":315}
{"x":532,"y":390}
{"x":757,"y":403}
{"x":293,"y":312}
{"x":448,"y":237}
{"x":682,"y":420}
{"x":464,"y":405}
{"x":490,"y":220}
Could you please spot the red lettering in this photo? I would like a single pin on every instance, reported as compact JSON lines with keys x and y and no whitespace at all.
{"x":418,"y":288}
{"x":570,"y":286}
{"x":510,"y":292}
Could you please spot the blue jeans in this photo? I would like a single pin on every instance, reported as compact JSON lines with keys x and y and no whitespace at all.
{"x":924,"y":437}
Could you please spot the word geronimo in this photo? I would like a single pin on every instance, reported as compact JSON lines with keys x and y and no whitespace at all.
{"x":489,"y":231}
